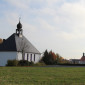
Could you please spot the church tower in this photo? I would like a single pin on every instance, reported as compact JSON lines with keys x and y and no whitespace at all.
{"x":19,"y":30}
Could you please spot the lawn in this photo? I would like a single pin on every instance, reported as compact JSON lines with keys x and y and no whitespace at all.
{"x":42,"y":76}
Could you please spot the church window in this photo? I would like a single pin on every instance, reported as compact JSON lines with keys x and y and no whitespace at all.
{"x":34,"y":57}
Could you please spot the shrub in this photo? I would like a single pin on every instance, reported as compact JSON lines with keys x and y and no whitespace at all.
{"x":31,"y":63}
{"x":19,"y":63}
{"x":23,"y":63}
{"x":12,"y":63}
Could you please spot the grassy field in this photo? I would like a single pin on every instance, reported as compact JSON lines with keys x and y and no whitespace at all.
{"x":42,"y":76}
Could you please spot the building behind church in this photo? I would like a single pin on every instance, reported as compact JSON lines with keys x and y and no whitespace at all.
{"x":82,"y":60}
{"x":18,"y":47}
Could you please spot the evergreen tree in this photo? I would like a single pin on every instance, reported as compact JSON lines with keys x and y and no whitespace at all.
{"x":48,"y":58}
{"x":45,"y":57}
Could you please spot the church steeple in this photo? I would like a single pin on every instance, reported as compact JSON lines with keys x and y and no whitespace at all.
{"x":19,"y":26}
{"x":19,"y":30}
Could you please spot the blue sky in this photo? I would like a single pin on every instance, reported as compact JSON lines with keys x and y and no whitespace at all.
{"x":57,"y":25}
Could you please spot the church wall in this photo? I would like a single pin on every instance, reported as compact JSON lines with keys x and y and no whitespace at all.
{"x":32,"y":57}
{"x":5,"y":56}
{"x":19,"y":55}
{"x":38,"y":57}
{"x":29,"y":57}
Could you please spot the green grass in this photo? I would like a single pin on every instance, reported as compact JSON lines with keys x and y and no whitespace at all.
{"x":42,"y":76}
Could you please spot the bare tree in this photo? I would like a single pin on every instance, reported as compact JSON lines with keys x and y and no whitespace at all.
{"x":23,"y":47}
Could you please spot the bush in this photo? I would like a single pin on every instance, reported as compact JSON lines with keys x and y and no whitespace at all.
{"x":12,"y":63}
{"x":31,"y":63}
{"x":19,"y":63}
{"x":23,"y":63}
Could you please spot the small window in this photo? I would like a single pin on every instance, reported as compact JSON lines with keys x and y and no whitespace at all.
{"x":34,"y":57}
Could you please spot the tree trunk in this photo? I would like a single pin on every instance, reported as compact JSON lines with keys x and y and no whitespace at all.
{"x":23,"y":54}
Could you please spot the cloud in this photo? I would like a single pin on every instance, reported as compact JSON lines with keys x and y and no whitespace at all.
{"x":52,"y":3}
{"x":45,"y":25}
{"x":19,"y":3}
{"x":29,"y":27}
{"x":70,"y":19}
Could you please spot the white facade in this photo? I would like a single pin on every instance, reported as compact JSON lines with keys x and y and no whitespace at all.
{"x":5,"y":56}
{"x":30,"y":57}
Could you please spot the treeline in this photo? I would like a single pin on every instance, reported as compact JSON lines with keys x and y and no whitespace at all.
{"x":50,"y":58}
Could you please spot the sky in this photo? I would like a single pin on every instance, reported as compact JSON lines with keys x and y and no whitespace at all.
{"x":57,"y":25}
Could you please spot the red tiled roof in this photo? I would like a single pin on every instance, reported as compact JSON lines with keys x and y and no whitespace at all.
{"x":82,"y":58}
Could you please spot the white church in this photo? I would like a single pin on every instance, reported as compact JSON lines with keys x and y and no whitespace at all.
{"x":18,"y":47}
